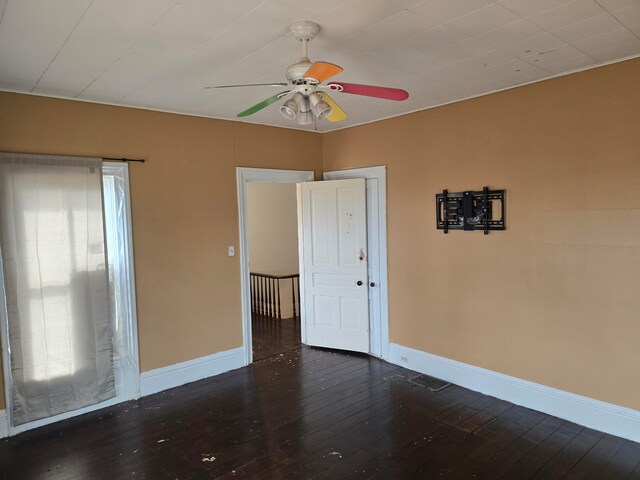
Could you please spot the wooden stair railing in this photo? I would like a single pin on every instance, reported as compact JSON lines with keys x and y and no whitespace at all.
{"x":265,"y":294}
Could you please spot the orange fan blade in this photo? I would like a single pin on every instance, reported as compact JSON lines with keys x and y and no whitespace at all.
{"x":320,"y":71}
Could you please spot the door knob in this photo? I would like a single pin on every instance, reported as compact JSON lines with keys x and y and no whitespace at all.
{"x":372,"y":284}
{"x":359,"y":283}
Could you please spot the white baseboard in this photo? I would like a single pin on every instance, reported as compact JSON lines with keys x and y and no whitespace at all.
{"x":155,"y":381}
{"x":160,"y":379}
{"x":602,"y":416}
{"x":4,"y":425}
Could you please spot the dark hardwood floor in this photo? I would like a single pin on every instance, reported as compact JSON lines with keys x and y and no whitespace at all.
{"x":272,"y":336}
{"x":318,"y":414}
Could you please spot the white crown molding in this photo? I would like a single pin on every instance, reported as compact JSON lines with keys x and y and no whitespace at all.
{"x":293,"y":127}
{"x":602,"y":416}
{"x":160,"y":379}
{"x":150,"y":109}
{"x":490,"y":92}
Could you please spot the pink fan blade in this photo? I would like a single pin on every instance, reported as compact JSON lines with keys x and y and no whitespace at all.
{"x":370,"y":90}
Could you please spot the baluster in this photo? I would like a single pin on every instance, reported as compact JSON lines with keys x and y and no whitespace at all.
{"x":261,"y":295}
{"x":251,"y":290}
{"x":279,"y":311}
{"x":270,"y":297}
{"x":255,"y":295}
{"x":264,"y":296}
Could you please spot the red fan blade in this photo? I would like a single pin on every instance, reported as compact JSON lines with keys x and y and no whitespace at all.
{"x":370,"y":90}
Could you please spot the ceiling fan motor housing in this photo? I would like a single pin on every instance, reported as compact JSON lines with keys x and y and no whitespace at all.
{"x":296,"y":71}
{"x":304,"y":31}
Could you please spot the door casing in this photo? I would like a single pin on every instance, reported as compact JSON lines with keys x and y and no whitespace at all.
{"x":378,"y":174}
{"x":243,"y":176}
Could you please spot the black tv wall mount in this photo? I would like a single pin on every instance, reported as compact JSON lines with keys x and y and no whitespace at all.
{"x":482,"y":210}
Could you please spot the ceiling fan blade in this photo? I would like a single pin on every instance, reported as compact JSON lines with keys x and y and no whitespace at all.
{"x":263,"y":104}
{"x":337,"y":115}
{"x":320,"y":71}
{"x":275,"y":84}
{"x":370,"y":90}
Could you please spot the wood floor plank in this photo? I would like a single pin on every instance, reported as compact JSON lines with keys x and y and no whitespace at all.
{"x":498,"y":435}
{"x":501,"y":461}
{"x":541,"y":454}
{"x":596,"y":459}
{"x":272,"y":336}
{"x":569,"y":456}
{"x":622,"y":464}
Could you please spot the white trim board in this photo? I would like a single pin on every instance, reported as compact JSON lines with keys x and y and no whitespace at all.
{"x":160,"y":379}
{"x":244,"y":175}
{"x":379,"y":323}
{"x":602,"y":416}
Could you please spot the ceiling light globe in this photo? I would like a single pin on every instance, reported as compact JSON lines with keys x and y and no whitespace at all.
{"x":322,"y":110}
{"x":289,"y":109}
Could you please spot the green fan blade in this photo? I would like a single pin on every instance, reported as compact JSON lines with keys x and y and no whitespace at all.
{"x":263,"y":104}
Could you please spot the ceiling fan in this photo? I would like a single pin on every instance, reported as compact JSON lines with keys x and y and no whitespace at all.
{"x":309,"y":97}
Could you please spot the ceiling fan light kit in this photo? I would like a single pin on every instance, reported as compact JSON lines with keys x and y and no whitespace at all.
{"x":309,"y":98}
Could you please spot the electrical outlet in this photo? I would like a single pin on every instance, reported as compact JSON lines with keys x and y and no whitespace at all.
{"x":404,"y":359}
{"x":232,"y":250}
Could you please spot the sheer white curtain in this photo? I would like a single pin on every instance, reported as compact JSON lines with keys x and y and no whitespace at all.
{"x":56,"y":284}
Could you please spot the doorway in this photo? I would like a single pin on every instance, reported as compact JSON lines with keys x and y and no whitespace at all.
{"x":261,"y":286}
{"x":273,"y":268}
{"x":375,"y":179}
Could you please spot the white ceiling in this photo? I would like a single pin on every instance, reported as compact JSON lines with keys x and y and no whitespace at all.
{"x":161,"y":53}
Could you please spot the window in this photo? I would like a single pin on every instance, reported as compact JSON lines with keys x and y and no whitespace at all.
{"x":56,"y":284}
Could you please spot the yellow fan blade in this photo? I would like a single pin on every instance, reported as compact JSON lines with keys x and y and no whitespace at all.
{"x":337,"y":115}
{"x":320,"y":71}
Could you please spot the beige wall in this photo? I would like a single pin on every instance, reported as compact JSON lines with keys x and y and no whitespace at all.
{"x":273,"y":234}
{"x":183,"y":206}
{"x":553,"y":299}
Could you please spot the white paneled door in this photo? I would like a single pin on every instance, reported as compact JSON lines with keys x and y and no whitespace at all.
{"x":334,"y":263}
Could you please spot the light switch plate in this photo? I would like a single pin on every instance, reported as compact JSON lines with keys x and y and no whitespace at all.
{"x":232,"y":250}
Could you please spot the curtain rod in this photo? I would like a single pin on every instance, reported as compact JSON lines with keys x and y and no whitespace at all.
{"x":139,"y":160}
